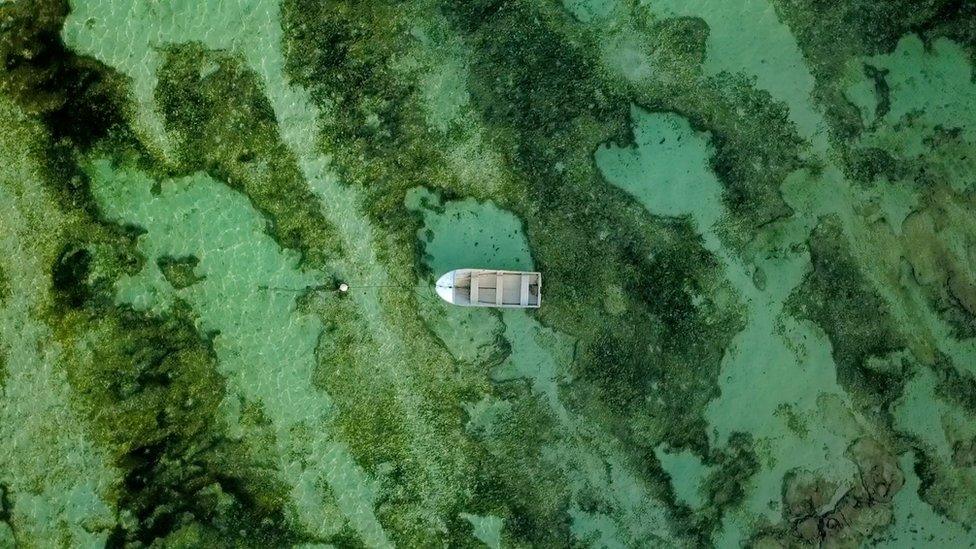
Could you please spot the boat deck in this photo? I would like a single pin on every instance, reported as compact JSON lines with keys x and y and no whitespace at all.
{"x":495,"y":288}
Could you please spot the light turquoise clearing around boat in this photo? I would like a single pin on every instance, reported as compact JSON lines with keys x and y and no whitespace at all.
{"x":466,"y":233}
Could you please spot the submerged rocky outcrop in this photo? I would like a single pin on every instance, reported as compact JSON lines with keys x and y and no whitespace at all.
{"x":753,"y":221}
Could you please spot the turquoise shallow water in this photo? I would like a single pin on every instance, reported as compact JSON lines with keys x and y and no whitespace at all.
{"x":754,"y":222}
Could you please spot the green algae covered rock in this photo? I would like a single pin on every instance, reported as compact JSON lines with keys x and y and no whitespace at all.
{"x":753,"y":221}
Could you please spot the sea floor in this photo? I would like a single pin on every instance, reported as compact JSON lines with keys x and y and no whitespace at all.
{"x":755,"y":223}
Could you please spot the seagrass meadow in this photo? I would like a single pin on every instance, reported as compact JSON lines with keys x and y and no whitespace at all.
{"x":755,"y":220}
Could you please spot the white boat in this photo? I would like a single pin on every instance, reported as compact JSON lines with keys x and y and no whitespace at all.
{"x":491,"y":288}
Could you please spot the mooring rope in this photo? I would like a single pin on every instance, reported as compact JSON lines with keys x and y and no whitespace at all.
{"x":341,"y":288}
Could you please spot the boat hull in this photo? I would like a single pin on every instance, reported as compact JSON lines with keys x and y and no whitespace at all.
{"x":491,"y":288}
